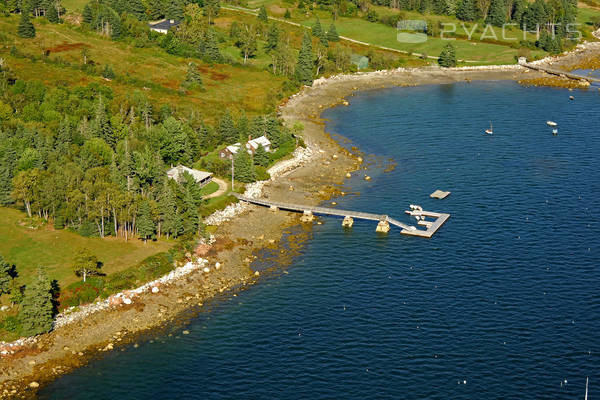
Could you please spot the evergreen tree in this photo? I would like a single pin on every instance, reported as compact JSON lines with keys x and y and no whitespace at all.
{"x":448,"y":56}
{"x":86,"y":264}
{"x":25,"y":28}
{"x":101,"y":126}
{"x":6,"y":276}
{"x":287,"y":14}
{"x":52,"y":14}
{"x":272,"y":38}
{"x":175,"y":10}
{"x":210,"y":49}
{"x":7,"y":167}
{"x":137,"y":9}
{"x":244,"y":168}
{"x":332,"y":34}
{"x":87,"y":14}
{"x":304,"y":67}
{"x":497,"y":14}
{"x":108,"y":72}
{"x":262,"y":14}
{"x":193,"y":79}
{"x":226,"y":129}
{"x":323,"y":38}
{"x":37,"y":310}
{"x":170,"y":223}
{"x":317,"y":30}
{"x":261,"y":157}
{"x":145,"y":224}
{"x":466,"y":10}
{"x":191,"y":218}
{"x":211,"y":9}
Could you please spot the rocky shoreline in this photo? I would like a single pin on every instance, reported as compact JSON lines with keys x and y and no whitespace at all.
{"x":310,"y":176}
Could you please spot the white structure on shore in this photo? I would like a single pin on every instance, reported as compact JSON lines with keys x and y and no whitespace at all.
{"x":251,"y":147}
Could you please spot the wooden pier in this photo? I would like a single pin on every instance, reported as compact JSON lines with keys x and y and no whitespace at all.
{"x":383,"y":220}
{"x":559,"y":72}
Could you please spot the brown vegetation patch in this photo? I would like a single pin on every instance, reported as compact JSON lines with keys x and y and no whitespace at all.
{"x":215,"y":76}
{"x":66,"y":47}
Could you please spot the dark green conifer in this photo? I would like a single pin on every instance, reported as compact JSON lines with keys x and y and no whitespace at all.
{"x":145,"y":224}
{"x":317,"y":30}
{"x":261,"y":157}
{"x":304,"y":67}
{"x":226,"y":130}
{"x":262,"y":14}
{"x":497,"y":15}
{"x":87,"y":14}
{"x":26,"y":28}
{"x":37,"y":310}
{"x":466,"y":10}
{"x":448,"y":56}
{"x":244,"y":168}
{"x":52,"y":14}
{"x":272,"y":38}
{"x":332,"y":34}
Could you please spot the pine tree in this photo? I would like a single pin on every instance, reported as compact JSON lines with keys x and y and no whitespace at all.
{"x":190,"y":218}
{"x":287,"y":14}
{"x":37,"y":310}
{"x":7,"y":167}
{"x":466,"y":10}
{"x":261,"y":157}
{"x":108,"y":72}
{"x":25,"y":28}
{"x":193,"y":79}
{"x":87,"y":14}
{"x":86,"y":264}
{"x":101,"y":125}
{"x":168,"y":212}
{"x":323,"y":38}
{"x":6,"y":276}
{"x":210,"y":49}
{"x":497,"y":14}
{"x":136,"y":8}
{"x":262,"y":14}
{"x":272,"y":38}
{"x":226,"y":130}
{"x":304,"y":67}
{"x":52,"y":14}
{"x":332,"y":34}
{"x":145,"y":224}
{"x":244,"y":168}
{"x":448,"y":56}
{"x":316,"y":29}
{"x":175,"y":10}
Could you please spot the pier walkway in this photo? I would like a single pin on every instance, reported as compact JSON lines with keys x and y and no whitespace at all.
{"x":383,"y":220}
{"x":559,"y":72}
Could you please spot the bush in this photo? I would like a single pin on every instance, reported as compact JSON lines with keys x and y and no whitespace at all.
{"x":12,"y":324}
{"x":88,"y":229}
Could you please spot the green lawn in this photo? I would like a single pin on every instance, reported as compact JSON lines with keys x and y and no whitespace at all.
{"x":55,"y":249}
{"x":209,"y":189}
{"x":74,"y":5}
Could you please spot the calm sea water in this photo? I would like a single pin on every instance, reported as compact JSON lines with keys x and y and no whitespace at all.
{"x":502,"y":303}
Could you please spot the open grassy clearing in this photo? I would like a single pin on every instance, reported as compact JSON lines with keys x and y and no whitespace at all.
{"x":30,"y":248}
{"x":152,"y":70}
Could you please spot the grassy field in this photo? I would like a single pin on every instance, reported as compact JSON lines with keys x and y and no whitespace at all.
{"x":55,"y":249}
{"x":209,"y":189}
{"x":151,"y":70}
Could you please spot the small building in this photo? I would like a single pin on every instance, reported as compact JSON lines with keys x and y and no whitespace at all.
{"x":253,"y":144}
{"x":164,"y":26}
{"x":201,"y":177}
{"x":229,"y":151}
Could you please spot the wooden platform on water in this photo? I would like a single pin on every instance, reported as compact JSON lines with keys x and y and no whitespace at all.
{"x":432,"y":226}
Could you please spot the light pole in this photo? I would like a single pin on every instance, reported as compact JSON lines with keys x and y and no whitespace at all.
{"x":232,"y":173}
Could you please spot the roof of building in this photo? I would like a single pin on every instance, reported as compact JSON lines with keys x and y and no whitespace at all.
{"x":165,"y":24}
{"x":234,"y":148}
{"x":259,"y":141}
{"x":179,"y":170}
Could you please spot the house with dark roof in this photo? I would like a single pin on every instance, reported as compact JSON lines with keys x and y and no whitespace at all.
{"x":164,"y":26}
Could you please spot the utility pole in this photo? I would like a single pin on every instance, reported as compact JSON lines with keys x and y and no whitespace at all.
{"x":232,"y":172}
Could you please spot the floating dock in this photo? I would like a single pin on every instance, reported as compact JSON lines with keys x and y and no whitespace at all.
{"x":566,"y":74}
{"x":439,"y":194}
{"x":383,"y":220}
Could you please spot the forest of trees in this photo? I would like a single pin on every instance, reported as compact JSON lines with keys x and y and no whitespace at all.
{"x":79,"y":158}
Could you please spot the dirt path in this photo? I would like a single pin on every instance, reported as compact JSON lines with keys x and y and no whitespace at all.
{"x":222,"y":189}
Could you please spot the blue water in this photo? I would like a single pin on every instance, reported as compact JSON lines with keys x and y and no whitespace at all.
{"x":502,"y":303}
